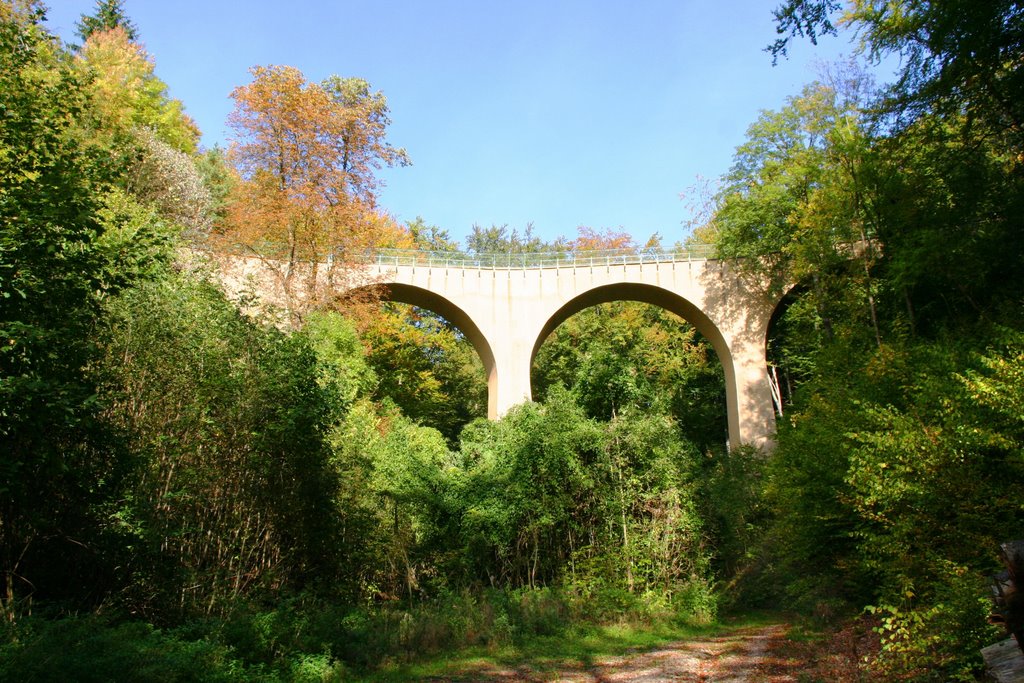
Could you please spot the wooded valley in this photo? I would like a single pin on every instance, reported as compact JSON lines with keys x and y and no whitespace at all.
{"x":194,"y":487}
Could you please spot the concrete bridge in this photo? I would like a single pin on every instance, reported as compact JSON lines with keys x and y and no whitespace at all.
{"x":506,"y":307}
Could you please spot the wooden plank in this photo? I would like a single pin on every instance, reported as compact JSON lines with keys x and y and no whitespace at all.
{"x":1004,"y":662}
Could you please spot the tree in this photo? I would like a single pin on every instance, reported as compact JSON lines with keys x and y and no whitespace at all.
{"x":426,"y":367}
{"x":890,"y":480}
{"x":363,"y":138}
{"x":305,"y":203}
{"x":631,"y":356}
{"x":169,"y":181}
{"x":109,"y":14}
{"x":431,"y":237}
{"x":589,"y":239}
{"x":498,"y":240}
{"x":800,"y":205}
{"x":948,"y":197}
{"x":66,"y":245}
{"x":127,"y":94}
{"x":235,"y":492}
{"x":148,"y":138}
{"x":956,"y":57}
{"x":218,"y":178}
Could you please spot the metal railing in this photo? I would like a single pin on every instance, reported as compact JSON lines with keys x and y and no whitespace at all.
{"x":567,"y":259}
{"x":458,"y":259}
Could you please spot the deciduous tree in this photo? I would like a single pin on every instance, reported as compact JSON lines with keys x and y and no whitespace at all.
{"x":306,"y":154}
{"x":128,"y":95}
{"x":955,"y":57}
{"x":66,"y":244}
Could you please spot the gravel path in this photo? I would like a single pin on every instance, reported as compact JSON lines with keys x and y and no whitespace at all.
{"x":740,"y":657}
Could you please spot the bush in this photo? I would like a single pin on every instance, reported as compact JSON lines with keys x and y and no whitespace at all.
{"x":92,"y":649}
{"x":941,"y":639}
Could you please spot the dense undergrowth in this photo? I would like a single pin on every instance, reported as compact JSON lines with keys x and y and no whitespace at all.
{"x":307,"y":639}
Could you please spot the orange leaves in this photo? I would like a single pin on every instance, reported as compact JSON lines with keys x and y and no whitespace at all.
{"x":287,"y":132}
{"x":306,"y":155}
{"x":294,"y":150}
{"x":590,"y":240}
{"x":321,"y":142}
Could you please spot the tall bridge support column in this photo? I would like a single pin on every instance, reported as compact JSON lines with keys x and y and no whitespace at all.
{"x":511,"y":337}
{"x":509,"y":384}
{"x":749,"y":397}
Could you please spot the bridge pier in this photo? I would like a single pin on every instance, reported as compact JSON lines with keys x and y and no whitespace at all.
{"x":510,"y":383}
{"x":749,"y":397}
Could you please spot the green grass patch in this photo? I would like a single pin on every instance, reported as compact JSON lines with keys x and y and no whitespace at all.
{"x":577,"y":647}
{"x":461,"y":637}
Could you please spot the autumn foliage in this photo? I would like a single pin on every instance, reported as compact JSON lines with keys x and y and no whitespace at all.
{"x":127,"y":95}
{"x":306,"y":154}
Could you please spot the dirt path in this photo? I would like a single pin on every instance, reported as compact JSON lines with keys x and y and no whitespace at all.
{"x":743,"y":656}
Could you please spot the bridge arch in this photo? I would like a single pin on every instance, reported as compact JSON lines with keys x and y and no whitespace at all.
{"x":403,"y":293}
{"x":670,"y":301}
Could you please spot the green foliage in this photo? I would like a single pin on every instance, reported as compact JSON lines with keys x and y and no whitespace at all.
{"x":218,"y":179}
{"x":941,"y":640}
{"x":499,"y":240}
{"x":126,"y":94}
{"x":551,"y":496}
{"x":527,"y":474}
{"x":92,"y":649}
{"x":430,"y":237}
{"x":797,"y":207}
{"x":66,"y":243}
{"x":300,"y":489}
{"x":393,"y":495}
{"x":997,"y":384}
{"x":109,"y":14}
{"x":342,"y":367}
{"x":956,"y":56}
{"x":626,"y":355}
{"x":899,"y":460}
{"x":950,"y":224}
{"x":427,"y":368}
{"x":235,"y":492}
{"x":730,"y":491}
{"x":895,"y":488}
{"x":170,"y":182}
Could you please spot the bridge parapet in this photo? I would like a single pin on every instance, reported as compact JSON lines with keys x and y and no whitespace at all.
{"x":565,"y":259}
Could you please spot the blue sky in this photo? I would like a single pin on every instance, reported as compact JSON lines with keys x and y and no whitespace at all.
{"x":560,"y":112}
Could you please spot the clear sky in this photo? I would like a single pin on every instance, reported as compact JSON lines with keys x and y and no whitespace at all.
{"x":557,"y":112}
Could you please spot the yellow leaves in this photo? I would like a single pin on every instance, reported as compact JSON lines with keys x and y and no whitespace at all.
{"x":127,"y":94}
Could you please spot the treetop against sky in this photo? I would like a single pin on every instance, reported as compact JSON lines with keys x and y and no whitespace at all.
{"x":560,"y":113}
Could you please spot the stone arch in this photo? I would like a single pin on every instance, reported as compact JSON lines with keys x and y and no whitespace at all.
{"x":417,"y":296}
{"x":670,"y":301}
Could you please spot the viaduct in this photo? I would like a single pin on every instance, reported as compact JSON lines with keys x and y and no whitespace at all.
{"x":506,"y":306}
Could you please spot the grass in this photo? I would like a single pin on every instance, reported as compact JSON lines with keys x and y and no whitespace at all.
{"x":461,"y":638}
{"x":576,"y":648}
